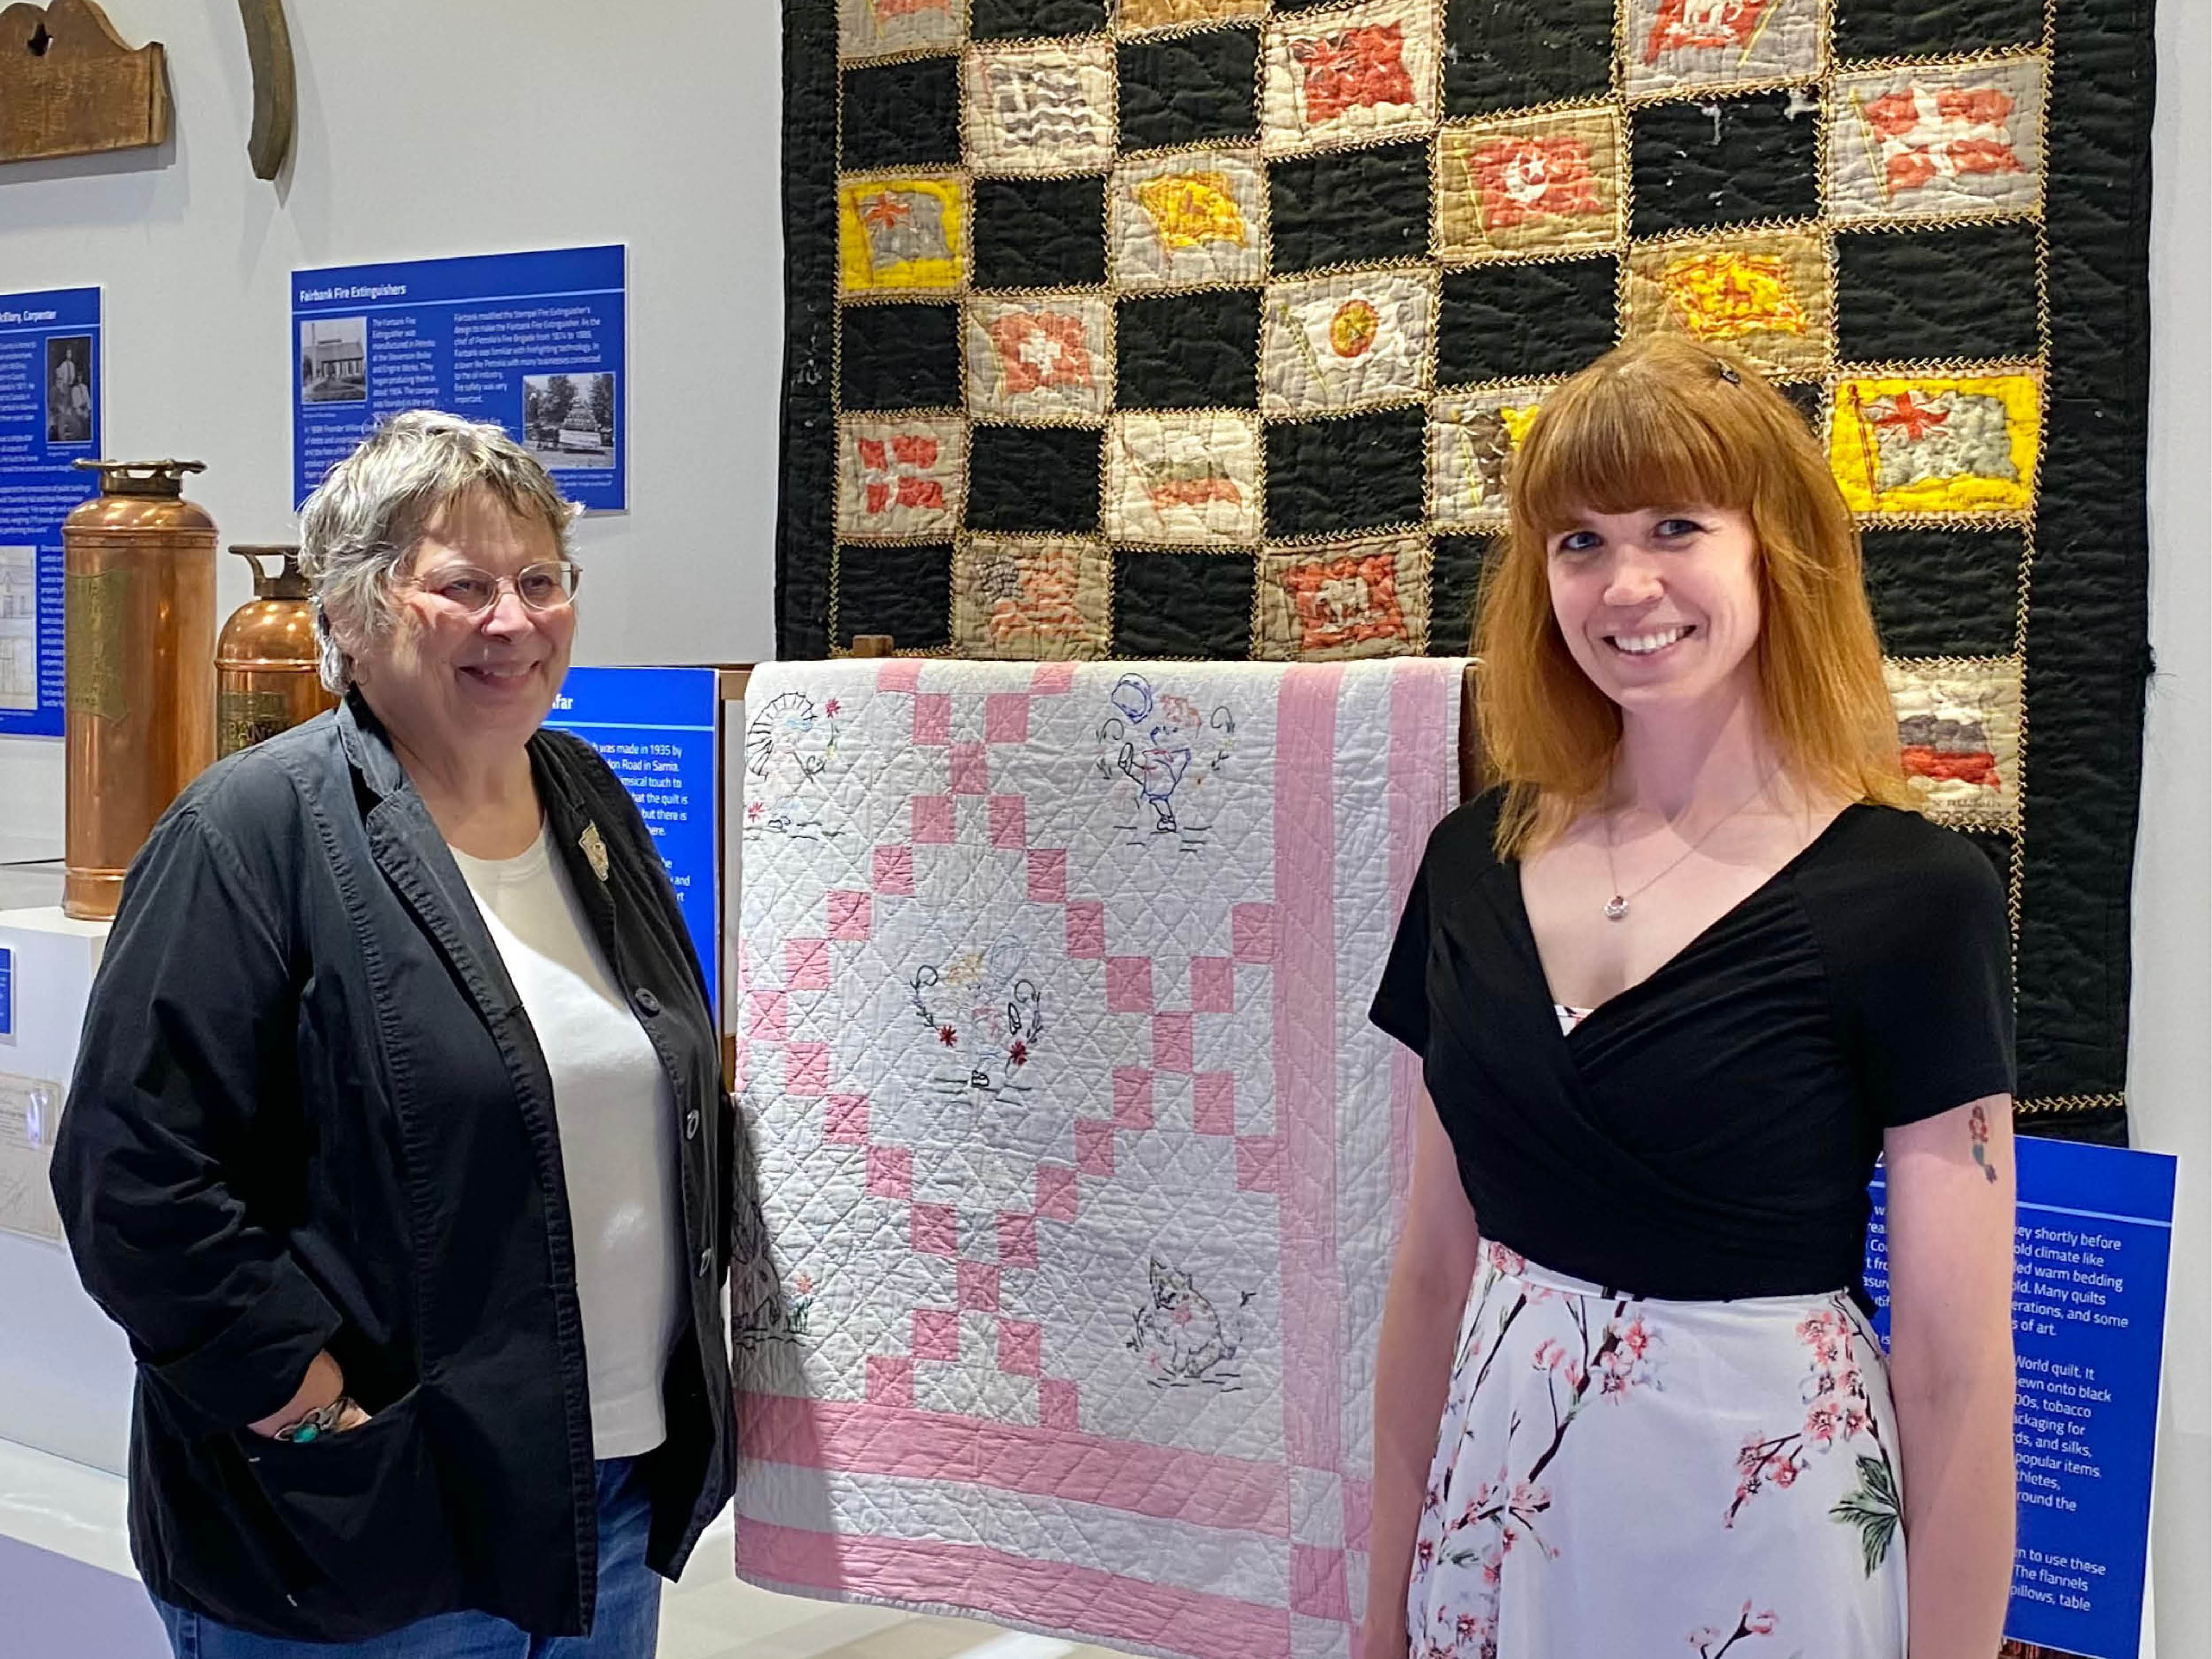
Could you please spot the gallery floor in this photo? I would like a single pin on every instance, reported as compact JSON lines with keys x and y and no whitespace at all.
{"x":67,"y":1584}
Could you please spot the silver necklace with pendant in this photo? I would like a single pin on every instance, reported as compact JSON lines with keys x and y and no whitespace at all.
{"x":1616,"y":908}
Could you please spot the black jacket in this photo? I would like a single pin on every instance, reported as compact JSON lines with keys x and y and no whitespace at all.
{"x":309,"y":1113}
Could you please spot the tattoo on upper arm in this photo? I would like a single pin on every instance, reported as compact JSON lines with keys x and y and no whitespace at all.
{"x":1977,"y":1124}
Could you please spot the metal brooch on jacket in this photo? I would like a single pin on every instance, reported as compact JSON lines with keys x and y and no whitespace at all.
{"x":595,"y":850}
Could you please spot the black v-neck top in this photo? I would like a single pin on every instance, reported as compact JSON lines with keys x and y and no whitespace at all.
{"x":1709,"y":1133}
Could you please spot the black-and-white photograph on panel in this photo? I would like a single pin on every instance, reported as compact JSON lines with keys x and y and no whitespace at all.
{"x":334,"y":360}
{"x":69,"y":389}
{"x":569,"y":419}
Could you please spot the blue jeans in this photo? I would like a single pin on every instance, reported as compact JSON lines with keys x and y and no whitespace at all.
{"x":626,"y":1627}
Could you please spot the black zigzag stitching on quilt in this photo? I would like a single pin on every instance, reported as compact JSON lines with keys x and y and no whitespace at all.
{"x":1725,"y":162}
{"x":1360,"y":472}
{"x":1912,"y":29}
{"x":1962,"y":292}
{"x":1189,"y":89}
{"x":1033,"y":477}
{"x":1188,"y":350}
{"x":1349,"y":207}
{"x":1020,"y":20}
{"x":901,"y":115}
{"x":1949,"y":593}
{"x":1183,"y":605}
{"x":904,"y":590}
{"x":1506,"y":54}
{"x":899,"y":357}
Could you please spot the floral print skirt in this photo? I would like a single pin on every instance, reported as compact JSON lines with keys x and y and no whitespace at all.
{"x":1617,"y":1474}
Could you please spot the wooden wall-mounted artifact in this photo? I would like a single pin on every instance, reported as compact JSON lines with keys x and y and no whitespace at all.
{"x":69,"y":86}
{"x":276,"y":90}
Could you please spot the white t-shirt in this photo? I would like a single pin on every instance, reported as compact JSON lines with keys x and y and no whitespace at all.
{"x":617,"y":1116}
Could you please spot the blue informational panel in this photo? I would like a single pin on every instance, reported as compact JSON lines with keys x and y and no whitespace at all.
{"x":7,"y":992}
{"x":532,"y":341}
{"x":2090,"y":1248}
{"x":656,"y":727}
{"x":49,"y":367}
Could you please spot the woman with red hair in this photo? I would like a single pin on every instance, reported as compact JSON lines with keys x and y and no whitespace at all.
{"x":1676,"y":983}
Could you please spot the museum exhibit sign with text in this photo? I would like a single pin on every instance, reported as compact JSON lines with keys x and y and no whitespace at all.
{"x":531,"y":342}
{"x":50,"y":364}
{"x":659,"y":730}
{"x":2090,"y":1248}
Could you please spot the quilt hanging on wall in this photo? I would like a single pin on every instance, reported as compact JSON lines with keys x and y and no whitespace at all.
{"x":1078,"y":1161}
{"x":1206,"y":329}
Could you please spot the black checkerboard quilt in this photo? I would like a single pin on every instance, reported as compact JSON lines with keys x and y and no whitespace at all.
{"x":1206,"y":328}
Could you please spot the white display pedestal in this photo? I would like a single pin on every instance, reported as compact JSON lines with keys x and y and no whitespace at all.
{"x":65,"y":1371}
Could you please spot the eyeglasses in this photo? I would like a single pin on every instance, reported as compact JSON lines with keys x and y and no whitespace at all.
{"x":546,"y":586}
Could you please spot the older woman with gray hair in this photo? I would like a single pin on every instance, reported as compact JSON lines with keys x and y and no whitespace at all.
{"x":399,"y":1146}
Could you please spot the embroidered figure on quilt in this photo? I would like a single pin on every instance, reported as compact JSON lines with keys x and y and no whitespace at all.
{"x":1041,"y":107}
{"x":984,"y":1014}
{"x":1515,"y":179}
{"x":1937,"y":444}
{"x":759,"y":1310}
{"x":1949,"y":744}
{"x":1474,"y":440}
{"x":1726,"y":295}
{"x":789,"y":745}
{"x":1345,"y":342}
{"x":898,"y":472}
{"x":1488,"y":439}
{"x":1165,"y":14}
{"x":1166,"y":746}
{"x":1188,"y":210}
{"x":1838,"y":1411}
{"x":1945,"y":434}
{"x":1040,"y":349}
{"x":1706,"y":26}
{"x":877,"y":28}
{"x":1190,"y":483}
{"x":1344,"y":602}
{"x":1186,"y":1341}
{"x":1359,"y":68}
{"x":1923,"y":133}
{"x":904,"y":227}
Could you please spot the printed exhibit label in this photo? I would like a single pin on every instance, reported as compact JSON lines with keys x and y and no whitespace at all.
{"x":533,"y":341}
{"x":50,"y":418}
{"x":658,"y":729}
{"x":2090,"y":1246}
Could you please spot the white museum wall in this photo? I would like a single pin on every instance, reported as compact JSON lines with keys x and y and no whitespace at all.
{"x":429,"y":129}
{"x":2170,"y":1067}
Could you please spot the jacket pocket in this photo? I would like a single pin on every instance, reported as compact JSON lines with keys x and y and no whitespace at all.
{"x":364,"y":1507}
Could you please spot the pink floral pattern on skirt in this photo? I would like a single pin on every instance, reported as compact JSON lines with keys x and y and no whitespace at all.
{"x":1611,"y":1467}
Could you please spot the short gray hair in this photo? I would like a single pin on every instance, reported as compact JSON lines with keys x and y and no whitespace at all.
{"x":363,"y":524}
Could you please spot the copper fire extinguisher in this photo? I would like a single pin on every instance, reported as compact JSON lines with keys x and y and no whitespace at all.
{"x":139,"y":624}
{"x":265,"y":667}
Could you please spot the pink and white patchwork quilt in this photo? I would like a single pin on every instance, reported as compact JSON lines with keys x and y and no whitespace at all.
{"x":1075,"y":1162}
